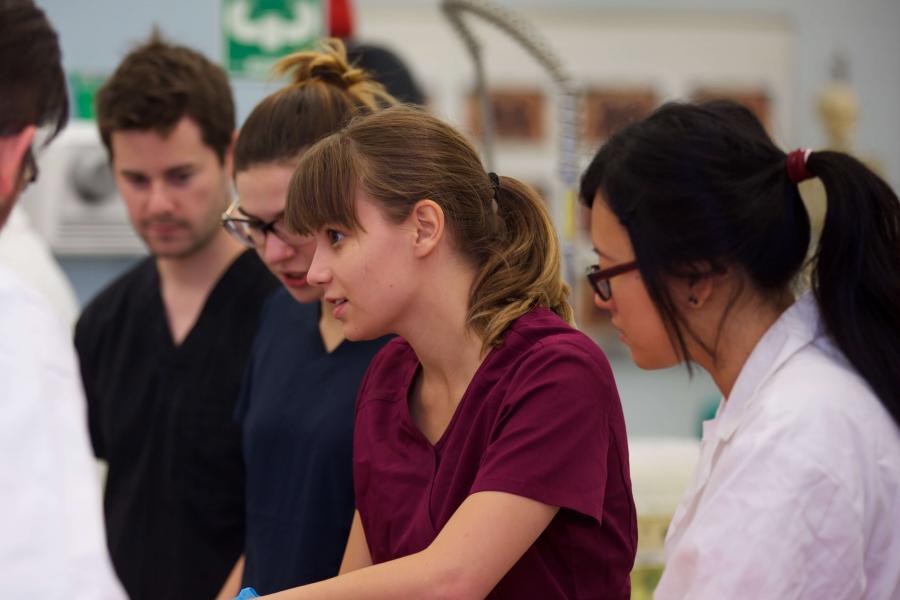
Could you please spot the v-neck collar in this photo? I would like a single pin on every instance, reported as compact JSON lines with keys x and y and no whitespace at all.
{"x":228,"y":283}
{"x":408,"y":379}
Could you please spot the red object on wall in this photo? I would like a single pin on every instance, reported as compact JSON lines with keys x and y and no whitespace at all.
{"x":340,"y":17}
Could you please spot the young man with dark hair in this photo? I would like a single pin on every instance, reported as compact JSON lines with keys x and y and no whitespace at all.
{"x":163,"y":347}
{"x":52,"y":543}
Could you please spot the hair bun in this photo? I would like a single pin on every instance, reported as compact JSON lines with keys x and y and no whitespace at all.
{"x":330,"y":66}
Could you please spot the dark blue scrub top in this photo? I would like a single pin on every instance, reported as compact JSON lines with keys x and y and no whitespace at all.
{"x":297,"y":409}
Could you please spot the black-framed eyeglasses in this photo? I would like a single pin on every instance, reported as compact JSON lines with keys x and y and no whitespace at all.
{"x":252,"y":232}
{"x":599,"y":278}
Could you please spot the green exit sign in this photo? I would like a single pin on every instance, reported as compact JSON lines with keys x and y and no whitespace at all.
{"x":259,"y":32}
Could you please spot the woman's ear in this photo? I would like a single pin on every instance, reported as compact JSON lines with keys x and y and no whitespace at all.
{"x":427,"y":219}
{"x":694,"y":291}
{"x":699,"y":291}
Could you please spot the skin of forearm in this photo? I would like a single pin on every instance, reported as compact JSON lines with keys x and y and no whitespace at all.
{"x":413,"y":576}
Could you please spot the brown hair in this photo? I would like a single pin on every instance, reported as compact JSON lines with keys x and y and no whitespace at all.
{"x":401,"y":155}
{"x":32,"y":84}
{"x":324,"y":93}
{"x":159,"y":83}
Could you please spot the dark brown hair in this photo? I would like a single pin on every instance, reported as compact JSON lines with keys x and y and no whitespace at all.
{"x":32,"y":84}
{"x":159,"y":83}
{"x":324,"y":93}
{"x":402,"y":155}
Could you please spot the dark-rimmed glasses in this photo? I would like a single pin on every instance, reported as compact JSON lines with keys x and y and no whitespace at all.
{"x":599,"y":278}
{"x":252,"y":232}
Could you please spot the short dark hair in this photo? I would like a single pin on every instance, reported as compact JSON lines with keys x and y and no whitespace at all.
{"x":32,"y":83}
{"x":157,"y":84}
{"x":705,"y":185}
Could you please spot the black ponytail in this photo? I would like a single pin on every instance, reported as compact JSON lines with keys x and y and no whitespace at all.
{"x":856,"y":273}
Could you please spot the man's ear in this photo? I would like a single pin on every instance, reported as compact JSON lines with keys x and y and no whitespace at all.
{"x":12,"y":152}
{"x":427,"y":219}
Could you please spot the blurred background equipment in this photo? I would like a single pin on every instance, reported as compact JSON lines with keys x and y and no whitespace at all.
{"x":562,"y":208}
{"x":74,"y":203}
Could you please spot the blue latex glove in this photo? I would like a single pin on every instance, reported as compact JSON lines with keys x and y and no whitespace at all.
{"x":247,"y":594}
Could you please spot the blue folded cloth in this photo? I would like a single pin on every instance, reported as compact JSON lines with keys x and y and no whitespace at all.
{"x":247,"y":594}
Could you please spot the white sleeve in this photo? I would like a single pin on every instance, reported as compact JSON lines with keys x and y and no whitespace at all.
{"x":772,"y":523}
{"x":53,"y":543}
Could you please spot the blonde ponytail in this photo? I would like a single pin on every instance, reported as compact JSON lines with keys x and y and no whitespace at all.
{"x":522,"y":265}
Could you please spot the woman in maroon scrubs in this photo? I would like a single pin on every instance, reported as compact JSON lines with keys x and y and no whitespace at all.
{"x":490,"y":454}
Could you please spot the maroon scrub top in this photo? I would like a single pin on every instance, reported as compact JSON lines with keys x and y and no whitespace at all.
{"x":541,"y":419}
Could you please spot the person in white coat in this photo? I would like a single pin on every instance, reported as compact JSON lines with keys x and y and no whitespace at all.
{"x":702,"y":235}
{"x":25,"y":252}
{"x":53,"y":543}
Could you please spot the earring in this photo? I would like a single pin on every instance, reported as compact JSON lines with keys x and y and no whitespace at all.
{"x":693,"y":300}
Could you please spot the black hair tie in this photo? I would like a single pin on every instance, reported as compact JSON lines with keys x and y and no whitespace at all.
{"x":495,"y":182}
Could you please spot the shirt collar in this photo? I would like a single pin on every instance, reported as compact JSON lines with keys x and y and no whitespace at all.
{"x":796,"y":328}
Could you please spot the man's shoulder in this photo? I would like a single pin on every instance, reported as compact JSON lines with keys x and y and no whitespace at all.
{"x":125,"y":291}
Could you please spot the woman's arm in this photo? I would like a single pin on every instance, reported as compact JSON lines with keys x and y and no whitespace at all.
{"x":483,"y":539}
{"x":233,"y":584}
{"x":356,"y":554}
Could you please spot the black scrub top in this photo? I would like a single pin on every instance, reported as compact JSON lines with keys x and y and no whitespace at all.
{"x":161,"y":416}
{"x":297,"y":409}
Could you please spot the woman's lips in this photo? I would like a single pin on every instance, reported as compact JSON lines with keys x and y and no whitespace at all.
{"x":295,"y":280}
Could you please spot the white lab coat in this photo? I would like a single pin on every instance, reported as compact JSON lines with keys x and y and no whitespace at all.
{"x":797,"y":489}
{"x":52,"y":541}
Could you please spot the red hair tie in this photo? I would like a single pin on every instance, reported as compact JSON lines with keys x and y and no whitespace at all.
{"x":796,"y":165}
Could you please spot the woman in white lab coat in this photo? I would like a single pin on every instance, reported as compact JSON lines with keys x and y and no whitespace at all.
{"x":701,"y":235}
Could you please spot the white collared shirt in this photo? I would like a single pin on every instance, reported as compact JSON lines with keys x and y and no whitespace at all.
{"x":52,"y":542}
{"x":797,"y":489}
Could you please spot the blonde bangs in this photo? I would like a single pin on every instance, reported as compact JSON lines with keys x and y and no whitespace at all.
{"x":323,"y":187}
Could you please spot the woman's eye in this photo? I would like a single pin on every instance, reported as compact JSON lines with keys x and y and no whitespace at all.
{"x":334,"y":236}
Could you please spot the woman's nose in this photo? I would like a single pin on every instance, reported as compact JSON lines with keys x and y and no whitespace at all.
{"x":319,"y":273}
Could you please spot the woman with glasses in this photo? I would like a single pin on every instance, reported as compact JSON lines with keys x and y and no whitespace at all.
{"x":702,"y":234}
{"x":297,"y":403}
{"x":490,"y":455}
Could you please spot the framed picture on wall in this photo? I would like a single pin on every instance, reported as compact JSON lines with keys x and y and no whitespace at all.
{"x":607,"y":110}
{"x":518,"y":114}
{"x":757,"y":100}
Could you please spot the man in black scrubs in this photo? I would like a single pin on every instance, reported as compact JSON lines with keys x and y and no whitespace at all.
{"x":163,"y":348}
